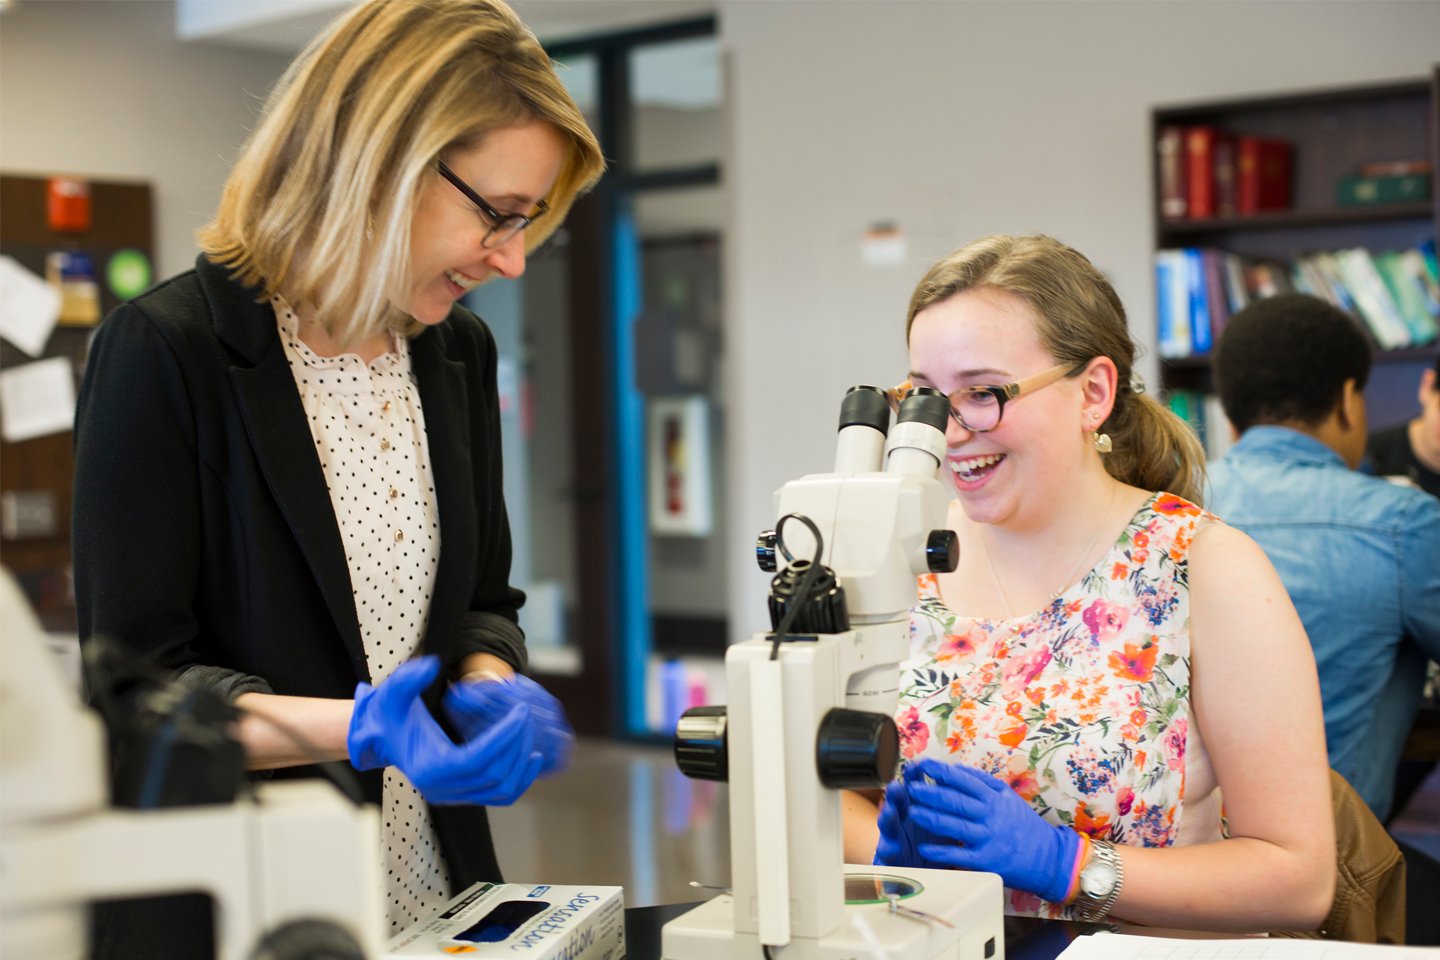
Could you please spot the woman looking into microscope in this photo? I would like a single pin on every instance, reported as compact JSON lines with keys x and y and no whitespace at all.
{"x":288,"y":475}
{"x":1108,"y":659}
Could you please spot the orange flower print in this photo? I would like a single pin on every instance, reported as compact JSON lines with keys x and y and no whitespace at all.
{"x":1141,"y":539}
{"x":914,"y":734}
{"x":1119,"y":571}
{"x":1036,"y":695}
{"x":1140,"y":760}
{"x":1021,"y":778}
{"x":1138,"y":717}
{"x":1106,"y":619}
{"x":929,"y":583}
{"x":1095,"y":826}
{"x":1130,"y":732}
{"x":1015,"y":735}
{"x":1138,"y":662}
{"x":957,"y":646}
{"x":1168,"y":503}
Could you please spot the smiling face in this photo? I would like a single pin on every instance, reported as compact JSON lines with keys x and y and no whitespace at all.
{"x":989,"y":337}
{"x":511,"y":168}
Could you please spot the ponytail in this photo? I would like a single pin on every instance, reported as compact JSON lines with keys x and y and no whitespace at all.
{"x":1079,"y":317}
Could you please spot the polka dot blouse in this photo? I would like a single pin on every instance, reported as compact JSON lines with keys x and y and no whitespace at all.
{"x":369,"y":433}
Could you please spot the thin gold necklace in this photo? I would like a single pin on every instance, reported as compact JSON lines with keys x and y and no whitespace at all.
{"x":1009,"y":614}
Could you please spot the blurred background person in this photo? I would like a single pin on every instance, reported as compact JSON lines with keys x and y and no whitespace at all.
{"x":1359,"y":557}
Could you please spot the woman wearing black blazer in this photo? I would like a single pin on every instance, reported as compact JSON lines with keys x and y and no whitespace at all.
{"x":226,"y":414}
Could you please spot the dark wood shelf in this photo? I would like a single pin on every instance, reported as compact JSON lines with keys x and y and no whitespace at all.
{"x":1289,"y":219}
{"x":1201,"y":361}
{"x":1190,"y":113}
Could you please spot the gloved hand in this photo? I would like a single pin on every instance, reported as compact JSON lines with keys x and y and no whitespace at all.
{"x":476,"y":707}
{"x":1000,"y":832}
{"x":900,"y":837}
{"x":391,"y":727}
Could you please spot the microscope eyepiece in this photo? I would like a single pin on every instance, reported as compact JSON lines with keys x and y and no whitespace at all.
{"x":865,"y":406}
{"x":926,"y":405}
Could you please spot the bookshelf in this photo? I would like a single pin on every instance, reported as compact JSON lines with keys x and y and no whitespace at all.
{"x":1332,"y":132}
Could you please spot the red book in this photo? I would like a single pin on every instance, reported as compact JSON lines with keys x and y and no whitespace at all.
{"x":1200,"y":168}
{"x":1225,"y":174}
{"x":1171,"y":150}
{"x":1263,"y":169}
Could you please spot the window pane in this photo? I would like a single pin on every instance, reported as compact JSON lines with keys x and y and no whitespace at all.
{"x":581,"y":76}
{"x":676,"y":93}
{"x":680,"y":213}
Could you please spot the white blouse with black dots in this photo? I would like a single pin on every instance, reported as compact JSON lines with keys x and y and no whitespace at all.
{"x":369,"y":432}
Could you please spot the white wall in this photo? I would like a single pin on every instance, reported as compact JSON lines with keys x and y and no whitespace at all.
{"x":104,"y":89}
{"x":958,"y":120}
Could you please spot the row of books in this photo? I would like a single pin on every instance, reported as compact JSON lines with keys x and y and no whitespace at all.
{"x":1396,"y":294}
{"x":1206,"y":172}
{"x":1205,"y":415}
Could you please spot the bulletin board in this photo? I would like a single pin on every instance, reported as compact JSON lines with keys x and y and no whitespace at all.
{"x":121,"y":220}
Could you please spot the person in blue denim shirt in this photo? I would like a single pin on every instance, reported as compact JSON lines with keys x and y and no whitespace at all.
{"x":1360,"y":557}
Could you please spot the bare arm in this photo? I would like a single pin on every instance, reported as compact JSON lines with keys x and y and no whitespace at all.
{"x":860,"y":810}
{"x":324,"y":723}
{"x":1256,"y":697}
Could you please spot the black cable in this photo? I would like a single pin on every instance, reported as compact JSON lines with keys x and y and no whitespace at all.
{"x":807,"y":580}
{"x":765,"y":948}
{"x":99,"y":651}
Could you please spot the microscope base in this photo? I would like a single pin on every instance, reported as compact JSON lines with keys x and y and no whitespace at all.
{"x":972,"y":902}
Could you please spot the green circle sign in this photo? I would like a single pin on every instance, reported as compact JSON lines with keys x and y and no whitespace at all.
{"x":128,"y":274}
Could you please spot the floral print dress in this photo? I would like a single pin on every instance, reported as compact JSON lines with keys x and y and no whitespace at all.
{"x":1083,"y":707}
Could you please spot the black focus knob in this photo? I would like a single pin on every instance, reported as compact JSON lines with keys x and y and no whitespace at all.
{"x":701,"y":745}
{"x":942,"y":551}
{"x":856,"y":749}
{"x":765,"y":551}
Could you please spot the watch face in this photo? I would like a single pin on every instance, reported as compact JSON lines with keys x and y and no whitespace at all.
{"x":1098,"y":879}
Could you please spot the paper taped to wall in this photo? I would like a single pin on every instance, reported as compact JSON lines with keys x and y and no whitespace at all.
{"x":29,"y":307}
{"x":37,"y":399}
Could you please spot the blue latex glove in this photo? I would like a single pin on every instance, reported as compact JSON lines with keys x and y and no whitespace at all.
{"x":1000,"y":832}
{"x":391,"y":727}
{"x":476,"y":707}
{"x":900,"y":837}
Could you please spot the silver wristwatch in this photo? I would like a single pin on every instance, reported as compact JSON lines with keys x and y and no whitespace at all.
{"x":1100,"y":882}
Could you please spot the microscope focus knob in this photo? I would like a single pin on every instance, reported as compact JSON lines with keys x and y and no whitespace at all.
{"x":942,"y":551}
{"x":856,"y":749}
{"x":765,"y":552}
{"x":701,"y":745}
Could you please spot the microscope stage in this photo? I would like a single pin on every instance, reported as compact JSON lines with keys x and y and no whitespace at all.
{"x":971,"y":902}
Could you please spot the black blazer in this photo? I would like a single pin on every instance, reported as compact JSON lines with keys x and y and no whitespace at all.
{"x":203,"y":531}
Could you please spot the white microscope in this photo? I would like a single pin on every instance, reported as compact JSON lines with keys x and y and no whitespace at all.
{"x":295,"y":867}
{"x":810,"y":713}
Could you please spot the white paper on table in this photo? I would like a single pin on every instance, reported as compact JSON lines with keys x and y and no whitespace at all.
{"x":29,"y":307}
{"x":37,"y":399}
{"x":1106,"y":946}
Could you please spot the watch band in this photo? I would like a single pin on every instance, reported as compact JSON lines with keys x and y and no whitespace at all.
{"x":1089,"y":908}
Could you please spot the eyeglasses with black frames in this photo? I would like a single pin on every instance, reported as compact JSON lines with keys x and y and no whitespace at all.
{"x":503,"y":226}
{"x":978,"y":409}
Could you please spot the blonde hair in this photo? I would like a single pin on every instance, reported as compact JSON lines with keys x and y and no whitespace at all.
{"x":1079,"y":318}
{"x":323,"y":195}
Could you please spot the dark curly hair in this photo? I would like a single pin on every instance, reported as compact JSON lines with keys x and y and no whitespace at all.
{"x":1285,"y":359}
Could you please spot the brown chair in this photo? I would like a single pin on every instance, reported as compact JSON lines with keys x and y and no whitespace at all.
{"x":1369,"y":905}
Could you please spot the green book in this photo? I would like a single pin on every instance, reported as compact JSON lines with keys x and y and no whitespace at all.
{"x":1408,"y":297}
{"x":1363,"y":191}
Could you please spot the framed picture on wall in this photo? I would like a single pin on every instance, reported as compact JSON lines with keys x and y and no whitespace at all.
{"x":679,"y":466}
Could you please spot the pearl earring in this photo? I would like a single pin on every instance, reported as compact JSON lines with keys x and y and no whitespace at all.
{"x":1102,"y":441}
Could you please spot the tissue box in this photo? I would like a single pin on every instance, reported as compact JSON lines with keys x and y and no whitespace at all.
{"x":514,"y":920}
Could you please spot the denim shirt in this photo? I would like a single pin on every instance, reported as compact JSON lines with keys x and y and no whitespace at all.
{"x":1360,"y":558}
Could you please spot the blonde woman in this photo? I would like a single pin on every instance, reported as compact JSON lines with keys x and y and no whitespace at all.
{"x":1109,"y":659}
{"x":288,"y":476}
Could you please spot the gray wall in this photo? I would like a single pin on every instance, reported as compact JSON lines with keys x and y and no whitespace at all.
{"x":958,"y":120}
{"x":102,"y":88}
